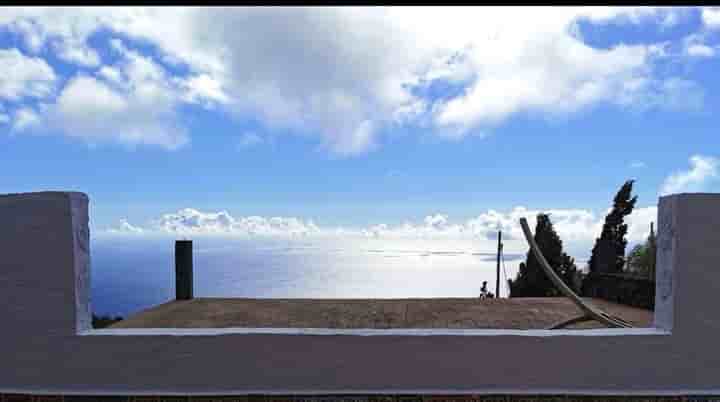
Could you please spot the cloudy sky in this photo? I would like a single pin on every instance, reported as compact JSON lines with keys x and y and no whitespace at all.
{"x":379,"y":121}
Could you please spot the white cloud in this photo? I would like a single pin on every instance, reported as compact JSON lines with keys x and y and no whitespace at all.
{"x":344,"y":74}
{"x":695,"y":46}
{"x":111,"y":74}
{"x":637,"y":164}
{"x":438,"y":221}
{"x":77,"y":52}
{"x":533,"y":66}
{"x":64,"y":30}
{"x":573,"y":225}
{"x":711,"y":17}
{"x":24,"y":76}
{"x":203,"y":88}
{"x":702,"y":170}
{"x":700,"y":50}
{"x":249,"y":139}
{"x":671,"y":94}
{"x":554,"y":74}
{"x":25,"y":119}
{"x":359,"y":140}
{"x":90,"y":110}
{"x":28,"y":28}
{"x":189,"y":220}
{"x":134,"y":105}
{"x":680,"y":94}
{"x":639,"y":223}
{"x":578,"y":228}
{"x":669,"y":20}
{"x":126,"y":227}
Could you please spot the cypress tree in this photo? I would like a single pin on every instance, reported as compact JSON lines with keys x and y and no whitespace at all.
{"x":641,"y":259}
{"x":531,"y":280}
{"x":608,"y":254}
{"x":652,"y":250}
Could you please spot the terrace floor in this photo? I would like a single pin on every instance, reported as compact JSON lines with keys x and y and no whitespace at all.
{"x":514,"y":313}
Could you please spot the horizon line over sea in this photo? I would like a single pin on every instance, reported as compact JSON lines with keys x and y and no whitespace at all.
{"x":132,"y":274}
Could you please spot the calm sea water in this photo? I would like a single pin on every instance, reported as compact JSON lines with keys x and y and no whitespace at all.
{"x":132,"y":274}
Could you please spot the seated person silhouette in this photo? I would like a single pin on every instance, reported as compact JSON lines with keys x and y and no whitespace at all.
{"x":483,"y":290}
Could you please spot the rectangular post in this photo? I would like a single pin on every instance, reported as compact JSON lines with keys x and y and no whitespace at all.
{"x":183,"y":270}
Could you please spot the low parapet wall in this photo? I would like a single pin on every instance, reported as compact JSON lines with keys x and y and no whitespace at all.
{"x":47,"y":345}
{"x":360,"y":398}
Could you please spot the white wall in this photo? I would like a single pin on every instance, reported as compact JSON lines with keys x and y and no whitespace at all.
{"x":47,"y":346}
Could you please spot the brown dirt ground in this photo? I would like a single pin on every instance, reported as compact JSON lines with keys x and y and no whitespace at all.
{"x":515,"y":313}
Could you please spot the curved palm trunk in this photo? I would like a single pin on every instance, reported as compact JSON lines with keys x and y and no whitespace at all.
{"x":571,"y":321}
{"x":590,"y":312}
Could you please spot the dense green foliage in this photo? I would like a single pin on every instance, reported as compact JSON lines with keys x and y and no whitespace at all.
{"x":641,"y":259}
{"x":531,"y":280}
{"x":104,"y":321}
{"x":608,"y":254}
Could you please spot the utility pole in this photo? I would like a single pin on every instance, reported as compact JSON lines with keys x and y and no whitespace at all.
{"x":497,"y":278}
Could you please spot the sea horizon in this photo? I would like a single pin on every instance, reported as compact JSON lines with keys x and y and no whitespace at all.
{"x":132,"y":274}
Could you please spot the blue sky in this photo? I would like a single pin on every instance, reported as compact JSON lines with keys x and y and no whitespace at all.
{"x":379,"y":120}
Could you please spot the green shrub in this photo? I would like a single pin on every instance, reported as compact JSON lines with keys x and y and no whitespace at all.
{"x":104,"y":321}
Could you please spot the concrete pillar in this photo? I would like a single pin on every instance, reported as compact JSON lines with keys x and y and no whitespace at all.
{"x":688,"y":264}
{"x":44,"y":264}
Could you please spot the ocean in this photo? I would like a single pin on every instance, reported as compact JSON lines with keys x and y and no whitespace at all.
{"x":130,"y":274}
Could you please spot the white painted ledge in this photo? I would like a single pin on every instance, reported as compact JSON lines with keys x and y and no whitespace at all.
{"x":414,"y":391}
{"x":373,"y":332}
